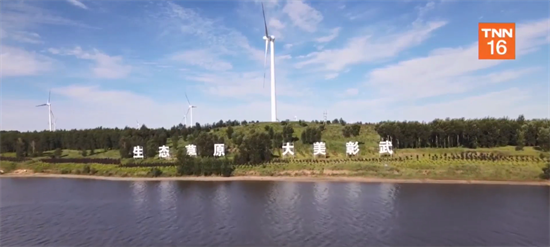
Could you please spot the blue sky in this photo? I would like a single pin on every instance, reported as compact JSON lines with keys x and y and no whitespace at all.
{"x":115,"y":63}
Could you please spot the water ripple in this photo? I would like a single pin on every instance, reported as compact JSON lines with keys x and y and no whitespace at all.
{"x":64,"y":212}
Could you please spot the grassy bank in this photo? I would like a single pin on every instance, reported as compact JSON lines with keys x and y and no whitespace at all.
{"x":407,"y":169}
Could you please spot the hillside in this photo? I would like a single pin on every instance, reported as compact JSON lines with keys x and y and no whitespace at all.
{"x":335,"y":141}
{"x":332,"y":135}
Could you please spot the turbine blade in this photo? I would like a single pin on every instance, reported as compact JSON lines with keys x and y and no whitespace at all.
{"x":49,"y":95}
{"x":187,"y":98}
{"x":41,"y":105}
{"x":265,"y":59}
{"x":265,"y":23}
{"x":185,"y":116}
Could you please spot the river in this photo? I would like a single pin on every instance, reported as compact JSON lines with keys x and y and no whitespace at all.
{"x":80,"y":212}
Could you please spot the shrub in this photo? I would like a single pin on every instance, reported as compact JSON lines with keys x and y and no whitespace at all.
{"x":546,"y":172}
{"x":155,"y":172}
{"x":105,"y":161}
{"x":86,"y":169}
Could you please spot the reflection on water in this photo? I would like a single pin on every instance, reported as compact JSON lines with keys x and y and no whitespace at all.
{"x":138,"y":192}
{"x":387,"y":193}
{"x":167,"y":191}
{"x":353,"y":190}
{"x":321,"y":195}
{"x":65,"y":212}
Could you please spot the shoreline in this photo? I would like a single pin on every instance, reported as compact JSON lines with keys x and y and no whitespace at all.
{"x":279,"y":178}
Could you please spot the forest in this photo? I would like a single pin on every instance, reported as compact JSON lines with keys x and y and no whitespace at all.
{"x":258,"y":146}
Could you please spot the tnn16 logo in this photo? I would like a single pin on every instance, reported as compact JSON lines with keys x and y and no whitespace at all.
{"x":497,"y":41}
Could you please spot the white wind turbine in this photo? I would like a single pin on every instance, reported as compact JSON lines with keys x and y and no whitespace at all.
{"x":189,"y":111}
{"x":270,"y":40}
{"x":51,"y":123}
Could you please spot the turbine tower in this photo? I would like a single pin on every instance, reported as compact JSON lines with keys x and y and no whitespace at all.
{"x":50,"y":113}
{"x":189,"y":111}
{"x":270,"y":40}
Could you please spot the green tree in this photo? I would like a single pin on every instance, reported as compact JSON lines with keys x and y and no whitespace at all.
{"x":288,"y":134}
{"x":174,"y":139}
{"x":355,"y":129}
{"x":151,"y":149}
{"x":229,"y":132}
{"x":57,"y":153}
{"x":20,"y":148}
{"x":271,"y":133}
{"x":255,"y":149}
{"x":311,"y":135}
{"x":520,"y":140}
{"x":346,"y":131}
{"x":277,"y":140}
{"x":543,"y":139}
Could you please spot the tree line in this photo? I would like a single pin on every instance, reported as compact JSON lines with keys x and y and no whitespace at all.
{"x":469,"y":133}
{"x":255,"y":146}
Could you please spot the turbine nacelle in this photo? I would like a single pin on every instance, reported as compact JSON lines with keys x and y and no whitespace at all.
{"x":269,"y":38}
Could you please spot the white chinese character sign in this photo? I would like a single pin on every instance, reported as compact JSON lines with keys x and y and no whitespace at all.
{"x":164,"y":152}
{"x":352,"y":148}
{"x":288,"y":149}
{"x":219,"y":149}
{"x":191,"y":150}
{"x":319,"y":148}
{"x":385,"y":147}
{"x":138,"y":152}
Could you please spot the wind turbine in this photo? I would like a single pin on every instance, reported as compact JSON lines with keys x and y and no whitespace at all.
{"x":270,"y":40}
{"x":50,"y":113}
{"x":138,"y":126}
{"x":189,"y":111}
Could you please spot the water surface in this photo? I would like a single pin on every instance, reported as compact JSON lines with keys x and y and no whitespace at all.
{"x":78,"y":212}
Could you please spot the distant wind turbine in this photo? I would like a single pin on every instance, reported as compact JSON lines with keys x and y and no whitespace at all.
{"x":138,"y":125}
{"x":270,"y":40}
{"x":184,"y":119}
{"x":189,"y":111}
{"x":51,"y":125}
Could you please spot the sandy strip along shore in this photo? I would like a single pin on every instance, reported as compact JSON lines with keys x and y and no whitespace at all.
{"x":277,"y":178}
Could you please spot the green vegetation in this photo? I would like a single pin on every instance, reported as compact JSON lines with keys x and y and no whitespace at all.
{"x":483,"y":149}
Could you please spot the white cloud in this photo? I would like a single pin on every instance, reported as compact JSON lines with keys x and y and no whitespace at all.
{"x":331,"y":76}
{"x":210,"y":33}
{"x":237,"y":85}
{"x":18,"y":62}
{"x":275,"y":28}
{"x":510,"y":102}
{"x":449,"y":70}
{"x":333,"y":34}
{"x":202,"y":58}
{"x":21,"y":36}
{"x":108,"y":67}
{"x":302,"y":15}
{"x":77,"y":3}
{"x":367,"y":49}
{"x":276,"y":23}
{"x":18,"y":15}
{"x":351,"y":92}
